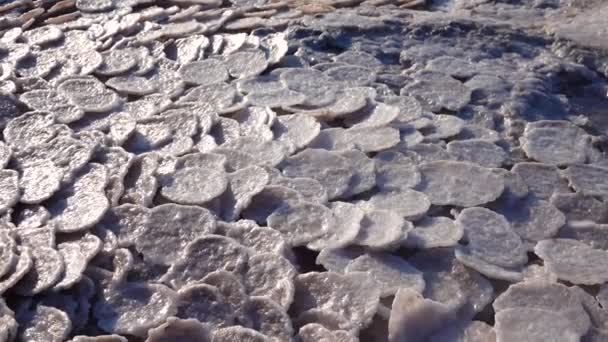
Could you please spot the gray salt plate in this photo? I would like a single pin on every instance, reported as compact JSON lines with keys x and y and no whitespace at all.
{"x":588,"y":232}
{"x":206,"y":72}
{"x":588,"y":179}
{"x":19,"y":269}
{"x":440,"y":127}
{"x":329,"y":291}
{"x":131,"y":85}
{"x":556,"y":142}
{"x":459,"y":183}
{"x":514,"y":325}
{"x":89,"y":94}
{"x":351,"y":76}
{"x":271,"y":198}
{"x":382,"y":229}
{"x":329,"y":168}
{"x":450,"y":282}
{"x":116,"y":62}
{"x":246,"y":63}
{"x":353,"y":160}
{"x":437,"y":91}
{"x":340,"y":235}
{"x":301,"y":222}
{"x":477,"y":151}
{"x":310,"y":189}
{"x":553,"y":297}
{"x":257,"y":239}
{"x":543,"y":180}
{"x":242,"y":186}
{"x":409,"y":204}
{"x":44,"y":324}
{"x":48,"y":267}
{"x":194,"y":185}
{"x":533,"y":219}
{"x":490,"y":237}
{"x":231,"y":287}
{"x":205,"y":304}
{"x":270,"y":319}
{"x":271,"y":275}
{"x":395,"y":171}
{"x":135,"y":308}
{"x":220,"y":252}
{"x":9,"y":193}
{"x":389,"y":272}
{"x":176,"y":225}
{"x":573,"y":261}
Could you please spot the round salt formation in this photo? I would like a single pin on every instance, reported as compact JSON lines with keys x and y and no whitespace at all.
{"x":437,"y":91}
{"x":221,"y":254}
{"x":194,"y":185}
{"x":556,"y":142}
{"x":310,"y":293}
{"x":347,"y":219}
{"x":490,"y":237}
{"x":329,"y":168}
{"x":206,"y":72}
{"x":381,"y":229}
{"x":390,"y":273}
{"x":459,"y":183}
{"x":301,"y":223}
{"x":573,"y":261}
{"x":189,"y":222}
{"x":88,"y":94}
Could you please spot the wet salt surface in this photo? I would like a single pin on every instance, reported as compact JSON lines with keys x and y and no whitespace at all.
{"x":347,"y":171}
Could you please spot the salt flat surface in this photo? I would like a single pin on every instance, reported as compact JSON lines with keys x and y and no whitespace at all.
{"x":276,"y":171}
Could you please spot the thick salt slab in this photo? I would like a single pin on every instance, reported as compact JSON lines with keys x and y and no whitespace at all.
{"x":478,"y":151}
{"x":450,"y":282}
{"x":176,"y":226}
{"x":557,"y":143}
{"x":437,"y":91}
{"x":220,"y":252}
{"x":301,"y":223}
{"x":348,"y":218}
{"x":459,"y":183}
{"x":490,"y":237}
{"x":390,"y":272}
{"x":588,"y":179}
{"x":329,"y":168}
{"x":271,"y":275}
{"x":135,"y":308}
{"x":410,"y":204}
{"x":543,"y":180}
{"x":329,"y":291}
{"x":204,"y":303}
{"x":553,"y":297}
{"x":573,"y":261}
